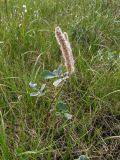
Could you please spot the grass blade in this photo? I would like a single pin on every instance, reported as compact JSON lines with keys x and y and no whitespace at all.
{"x":3,"y":143}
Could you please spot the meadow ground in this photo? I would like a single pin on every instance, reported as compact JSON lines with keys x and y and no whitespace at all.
{"x":92,"y":94}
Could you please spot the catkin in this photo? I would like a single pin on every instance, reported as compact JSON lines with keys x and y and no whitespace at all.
{"x":63,"y":41}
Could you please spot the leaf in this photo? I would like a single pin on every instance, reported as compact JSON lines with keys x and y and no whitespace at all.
{"x":34,"y":94}
{"x":66,"y":77}
{"x":62,"y":110}
{"x":83,"y":157}
{"x":39,"y":92}
{"x":68,"y":116}
{"x":58,"y":81}
{"x":48,"y":74}
{"x":33,"y":85}
{"x":18,"y":151}
{"x":58,"y":71}
{"x":61,"y":107}
{"x":42,"y":87}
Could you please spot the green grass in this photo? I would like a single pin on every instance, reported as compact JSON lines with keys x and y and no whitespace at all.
{"x":92,"y":94}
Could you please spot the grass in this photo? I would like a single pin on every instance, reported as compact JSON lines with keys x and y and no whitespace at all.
{"x":27,"y":47}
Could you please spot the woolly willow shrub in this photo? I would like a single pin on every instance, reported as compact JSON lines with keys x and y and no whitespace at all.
{"x":58,"y":74}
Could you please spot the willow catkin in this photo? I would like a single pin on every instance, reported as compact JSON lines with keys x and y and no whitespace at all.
{"x":63,"y":41}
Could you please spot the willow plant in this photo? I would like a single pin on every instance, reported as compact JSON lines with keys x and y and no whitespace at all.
{"x":58,"y":74}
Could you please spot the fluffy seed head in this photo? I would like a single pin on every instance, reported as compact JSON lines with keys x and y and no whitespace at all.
{"x":63,"y":41}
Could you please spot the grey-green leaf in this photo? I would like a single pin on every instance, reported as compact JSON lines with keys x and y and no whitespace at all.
{"x":83,"y":157}
{"x":34,"y":94}
{"x":61,"y":107}
{"x":58,"y":71}
{"x":33,"y":85}
{"x":57,"y":82}
{"x":68,"y":116}
{"x":42,"y":87}
{"x":48,"y":74}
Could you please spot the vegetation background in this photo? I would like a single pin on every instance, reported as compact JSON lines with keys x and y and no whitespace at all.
{"x":92,"y":94}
